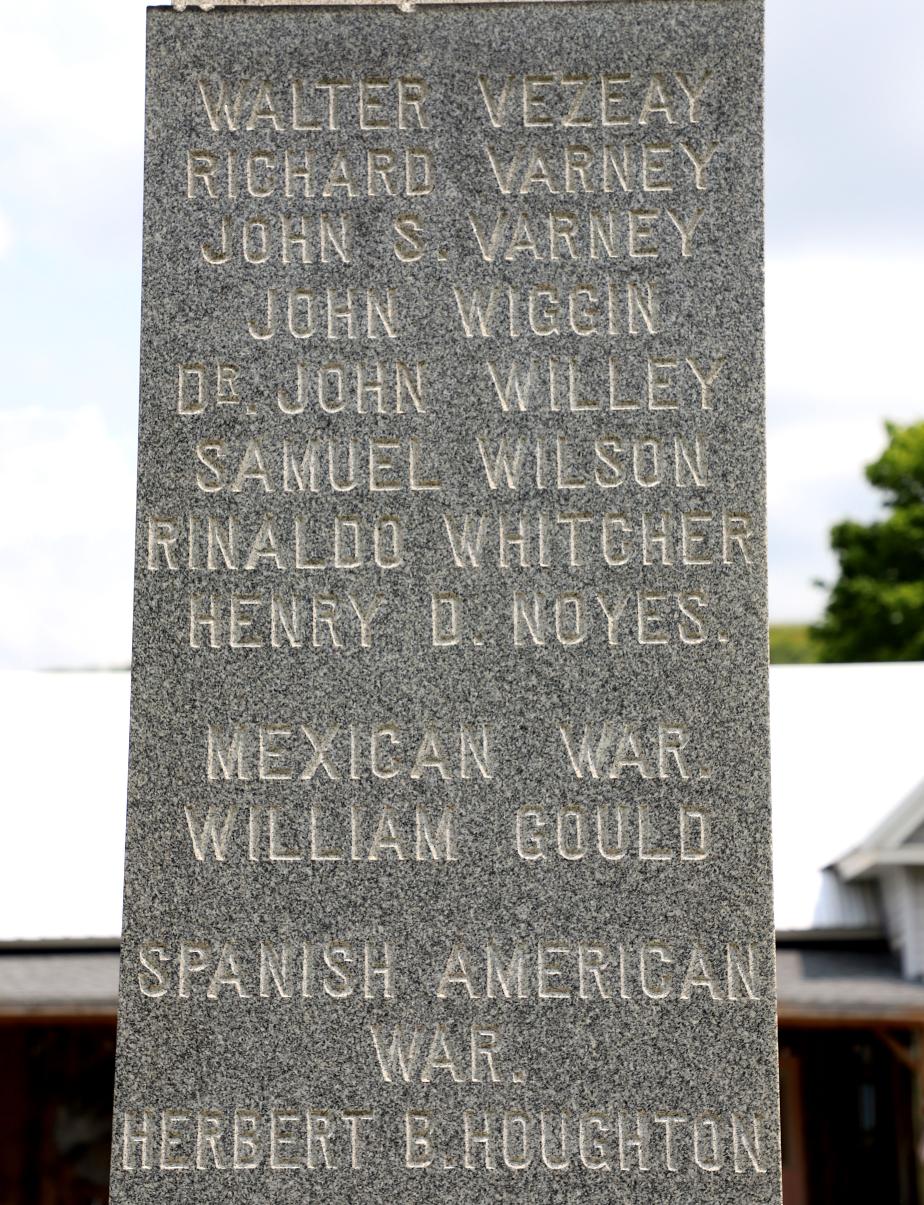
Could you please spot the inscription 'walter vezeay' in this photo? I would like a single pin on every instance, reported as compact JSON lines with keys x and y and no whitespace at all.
{"x":448,"y":855}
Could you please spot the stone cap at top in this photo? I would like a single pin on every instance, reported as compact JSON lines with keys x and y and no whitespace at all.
{"x":404,"y":5}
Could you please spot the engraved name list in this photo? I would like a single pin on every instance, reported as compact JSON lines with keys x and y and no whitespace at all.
{"x":447,"y":865}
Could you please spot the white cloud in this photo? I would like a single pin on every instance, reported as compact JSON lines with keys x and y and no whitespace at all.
{"x":840,"y":334}
{"x":845,"y":139}
{"x":67,"y":497}
{"x":6,"y":234}
{"x":841,"y":329}
{"x":67,"y":71}
{"x":815,"y":478}
{"x":71,"y":126}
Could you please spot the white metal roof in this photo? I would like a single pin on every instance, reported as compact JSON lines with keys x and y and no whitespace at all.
{"x":63,"y":768}
{"x":847,"y":748}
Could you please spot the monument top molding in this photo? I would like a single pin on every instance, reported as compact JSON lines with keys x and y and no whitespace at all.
{"x":403,"y":5}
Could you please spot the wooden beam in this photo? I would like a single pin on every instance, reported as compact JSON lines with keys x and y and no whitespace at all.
{"x":909,"y":1055}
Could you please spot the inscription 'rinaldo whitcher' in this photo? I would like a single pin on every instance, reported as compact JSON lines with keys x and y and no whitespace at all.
{"x":447,"y":864}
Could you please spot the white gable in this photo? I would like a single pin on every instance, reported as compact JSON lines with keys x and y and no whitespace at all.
{"x":847,"y":748}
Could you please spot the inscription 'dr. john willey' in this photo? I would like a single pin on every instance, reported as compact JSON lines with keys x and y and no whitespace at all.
{"x":448,"y":865}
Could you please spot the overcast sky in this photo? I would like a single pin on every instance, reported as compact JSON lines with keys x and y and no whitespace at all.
{"x":845,"y":253}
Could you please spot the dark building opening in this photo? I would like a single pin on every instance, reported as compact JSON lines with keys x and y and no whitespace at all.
{"x":56,"y":1110}
{"x":847,"y":1108}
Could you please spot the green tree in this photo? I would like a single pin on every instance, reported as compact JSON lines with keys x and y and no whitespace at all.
{"x":791,"y":644}
{"x":875,"y":610}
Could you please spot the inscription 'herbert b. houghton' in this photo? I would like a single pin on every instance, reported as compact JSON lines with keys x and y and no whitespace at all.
{"x":325,"y":1137}
{"x":447,"y":864}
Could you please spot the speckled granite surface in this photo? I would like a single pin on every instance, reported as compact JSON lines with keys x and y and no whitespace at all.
{"x":448,"y":867}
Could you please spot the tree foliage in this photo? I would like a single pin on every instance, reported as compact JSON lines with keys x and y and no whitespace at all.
{"x":791,"y":644}
{"x":875,"y":610}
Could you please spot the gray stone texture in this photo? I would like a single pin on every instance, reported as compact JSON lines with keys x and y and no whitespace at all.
{"x":586,"y":1010}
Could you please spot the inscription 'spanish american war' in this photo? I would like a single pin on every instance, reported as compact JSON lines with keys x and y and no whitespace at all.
{"x":448,"y":859}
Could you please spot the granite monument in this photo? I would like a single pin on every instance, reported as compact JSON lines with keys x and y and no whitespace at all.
{"x":448,"y":855}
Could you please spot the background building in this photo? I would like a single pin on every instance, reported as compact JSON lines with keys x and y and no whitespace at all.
{"x":849,"y":867}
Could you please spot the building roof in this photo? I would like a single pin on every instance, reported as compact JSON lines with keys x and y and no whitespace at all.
{"x":846,"y":749}
{"x":77,"y":979}
{"x":898,"y":840}
{"x":845,"y":979}
{"x":850,"y":979}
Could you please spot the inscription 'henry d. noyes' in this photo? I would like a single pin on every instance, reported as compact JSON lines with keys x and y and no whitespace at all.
{"x":447,"y":862}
